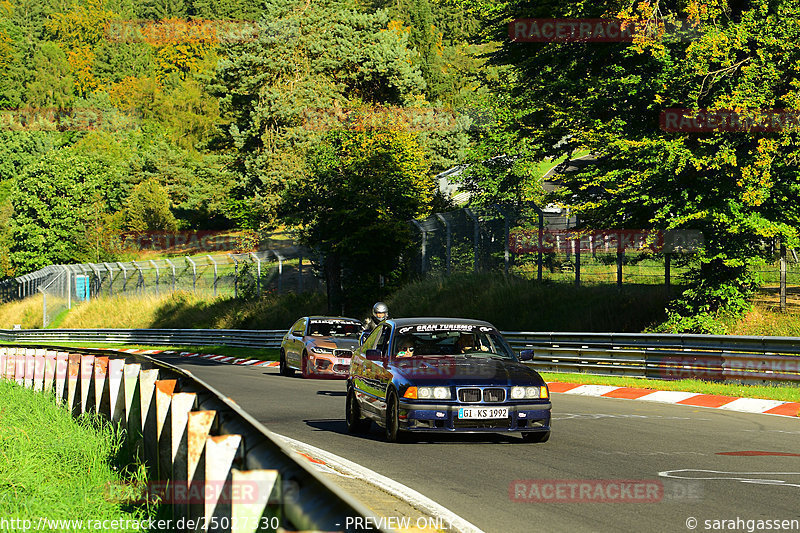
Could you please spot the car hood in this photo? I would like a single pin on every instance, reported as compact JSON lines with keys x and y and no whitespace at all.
{"x":463,"y":370}
{"x":339,"y":343}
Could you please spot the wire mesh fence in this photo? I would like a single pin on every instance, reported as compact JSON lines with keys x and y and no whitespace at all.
{"x":543,"y":244}
{"x":247,"y":275}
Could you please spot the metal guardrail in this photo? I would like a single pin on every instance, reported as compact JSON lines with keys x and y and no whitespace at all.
{"x":654,"y":356}
{"x":191,"y":435}
{"x":155,"y":337}
{"x":751,"y":360}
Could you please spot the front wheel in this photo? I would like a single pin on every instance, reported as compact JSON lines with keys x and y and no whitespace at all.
{"x":285,"y":370}
{"x":392,"y":423}
{"x":355,"y":424}
{"x":536,"y":436}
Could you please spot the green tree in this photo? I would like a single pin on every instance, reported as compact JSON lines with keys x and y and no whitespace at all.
{"x":148,"y":209}
{"x":52,"y":200}
{"x":355,"y":208}
{"x":606,"y":97}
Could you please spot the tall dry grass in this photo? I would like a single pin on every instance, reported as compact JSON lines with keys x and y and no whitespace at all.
{"x":27,"y":312}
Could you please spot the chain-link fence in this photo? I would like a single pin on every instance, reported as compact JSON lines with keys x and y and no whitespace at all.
{"x":780,"y":280}
{"x":543,"y":244}
{"x":248,"y":275}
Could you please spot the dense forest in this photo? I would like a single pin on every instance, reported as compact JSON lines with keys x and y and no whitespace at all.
{"x":334,"y":116}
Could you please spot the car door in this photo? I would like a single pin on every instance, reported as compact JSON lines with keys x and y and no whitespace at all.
{"x":295,"y":344}
{"x":369,"y":376}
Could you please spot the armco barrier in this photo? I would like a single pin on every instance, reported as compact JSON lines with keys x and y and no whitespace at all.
{"x":655,"y":356}
{"x":243,"y":338}
{"x":741,"y":359}
{"x":212,"y":462}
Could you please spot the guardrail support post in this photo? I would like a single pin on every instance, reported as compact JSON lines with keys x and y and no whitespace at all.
{"x":187,"y":459}
{"x":87,"y":371}
{"x":101,"y":390}
{"x":62,"y":371}
{"x":220,"y":453}
{"x":263,"y":490}
{"x":38,"y":370}
{"x":116,"y":391}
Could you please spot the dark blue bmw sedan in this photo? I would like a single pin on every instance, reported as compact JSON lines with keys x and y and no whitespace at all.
{"x":415,"y":375}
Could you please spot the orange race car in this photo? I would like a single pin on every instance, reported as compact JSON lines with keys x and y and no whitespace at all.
{"x":320,"y":346}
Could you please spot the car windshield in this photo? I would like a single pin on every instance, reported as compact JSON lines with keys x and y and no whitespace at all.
{"x":445,"y":339}
{"x":334,"y":328}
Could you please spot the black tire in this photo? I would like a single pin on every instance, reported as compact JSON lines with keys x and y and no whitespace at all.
{"x":355,"y":423}
{"x":536,"y":436}
{"x":392,"y":423}
{"x":285,"y":370}
{"x":304,"y":365}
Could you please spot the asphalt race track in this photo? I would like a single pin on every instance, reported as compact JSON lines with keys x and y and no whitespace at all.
{"x":596,"y":442}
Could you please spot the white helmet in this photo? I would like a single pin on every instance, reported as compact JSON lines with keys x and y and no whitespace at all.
{"x":380,"y":312}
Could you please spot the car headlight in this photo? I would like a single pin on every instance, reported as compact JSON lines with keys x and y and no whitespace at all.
{"x":319,"y":349}
{"x":518,"y":393}
{"x":439,"y":393}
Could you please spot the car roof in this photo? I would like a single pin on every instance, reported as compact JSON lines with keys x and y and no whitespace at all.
{"x":325,"y":317}
{"x":437,"y":320}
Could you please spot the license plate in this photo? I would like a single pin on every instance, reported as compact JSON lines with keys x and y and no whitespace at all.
{"x":482,"y":412}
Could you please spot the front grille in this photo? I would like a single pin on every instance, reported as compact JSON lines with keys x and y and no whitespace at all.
{"x":494,"y":395}
{"x":343,"y":353}
{"x":469,"y":395}
{"x":476,"y":395}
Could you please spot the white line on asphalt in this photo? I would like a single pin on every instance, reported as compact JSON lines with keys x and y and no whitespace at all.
{"x":395,"y":488}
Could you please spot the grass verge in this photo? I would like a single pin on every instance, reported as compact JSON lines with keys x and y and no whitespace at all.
{"x":767,"y":392}
{"x":182,"y":310}
{"x":56,"y":467}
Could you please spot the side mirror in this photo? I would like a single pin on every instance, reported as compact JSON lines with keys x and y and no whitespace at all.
{"x":373,"y":355}
{"x":526,"y":355}
{"x":362,"y":338}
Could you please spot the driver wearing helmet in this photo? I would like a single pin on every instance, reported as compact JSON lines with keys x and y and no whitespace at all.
{"x":380,"y":312}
